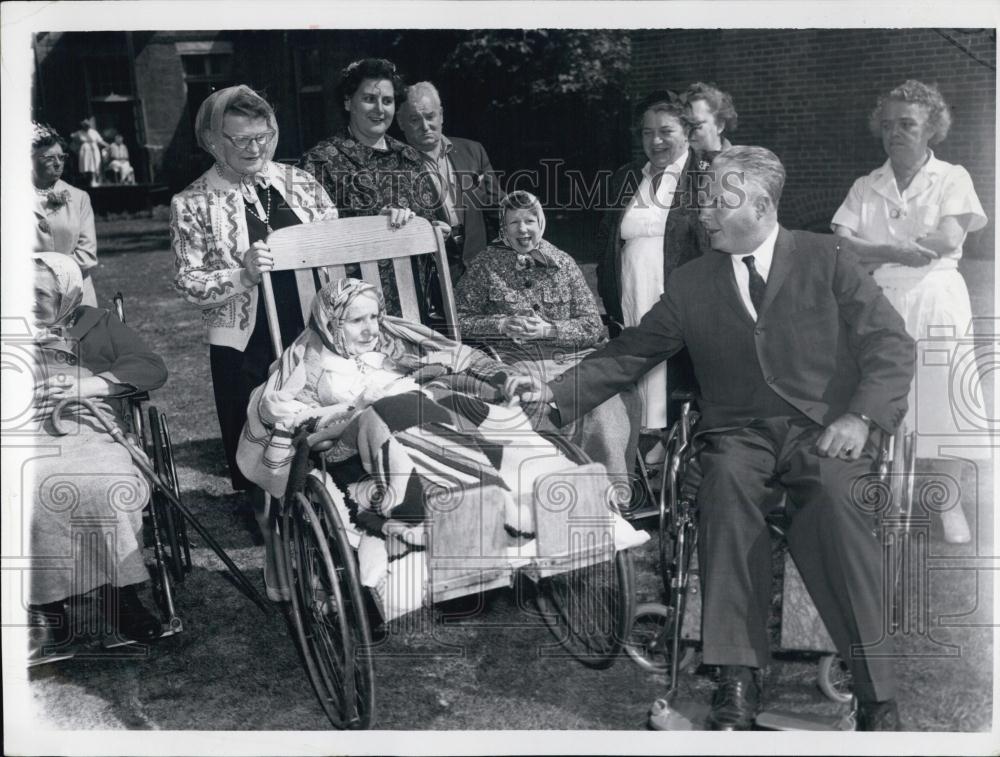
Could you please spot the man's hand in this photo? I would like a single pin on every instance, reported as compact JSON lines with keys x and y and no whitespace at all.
{"x":844,"y":438}
{"x":526,"y":389}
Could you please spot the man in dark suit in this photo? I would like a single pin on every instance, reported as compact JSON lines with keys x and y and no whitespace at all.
{"x":460,"y":171}
{"x":798,"y":357}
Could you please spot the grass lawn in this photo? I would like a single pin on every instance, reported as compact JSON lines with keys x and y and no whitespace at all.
{"x":486,"y":664}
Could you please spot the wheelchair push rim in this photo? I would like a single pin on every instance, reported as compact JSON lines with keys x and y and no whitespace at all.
{"x":649,"y":643}
{"x":326,"y":608}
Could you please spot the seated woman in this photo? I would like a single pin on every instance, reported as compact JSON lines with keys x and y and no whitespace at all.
{"x":530,"y":301}
{"x":90,"y":539}
{"x":408,"y":404}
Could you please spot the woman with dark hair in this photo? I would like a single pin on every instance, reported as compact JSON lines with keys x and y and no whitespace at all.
{"x":908,"y":220}
{"x":64,"y":220}
{"x":366,"y":171}
{"x":218,"y":229}
{"x":652,"y":229}
{"x":88,"y":143}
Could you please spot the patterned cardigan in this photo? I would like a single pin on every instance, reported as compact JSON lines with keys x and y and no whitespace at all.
{"x":208,"y":234}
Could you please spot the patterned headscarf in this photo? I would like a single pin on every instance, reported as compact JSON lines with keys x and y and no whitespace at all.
{"x":327,"y":318}
{"x":208,"y":129}
{"x":60,"y":276}
{"x":521,"y":200}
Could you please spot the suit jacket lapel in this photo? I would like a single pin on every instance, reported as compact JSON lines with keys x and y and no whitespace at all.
{"x":725,"y":284}
{"x":781,"y":264}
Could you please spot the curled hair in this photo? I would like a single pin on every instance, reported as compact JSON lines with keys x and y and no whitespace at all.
{"x":758,"y":165}
{"x":719,"y":102}
{"x":44,"y":136}
{"x":913,"y":91}
{"x":659,"y":101}
{"x":370,"y":68}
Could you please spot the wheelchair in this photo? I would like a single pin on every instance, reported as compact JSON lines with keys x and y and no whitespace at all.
{"x":665,"y":635}
{"x":163,"y":524}
{"x":584,"y":596}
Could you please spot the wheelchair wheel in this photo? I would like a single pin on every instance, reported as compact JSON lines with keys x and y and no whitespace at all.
{"x":327,"y":607}
{"x":589,"y":610}
{"x":649,"y":640}
{"x":169,"y":517}
{"x":834,"y":679}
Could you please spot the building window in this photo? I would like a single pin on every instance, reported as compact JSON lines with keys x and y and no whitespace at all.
{"x":209,"y":67}
{"x":108,"y":75}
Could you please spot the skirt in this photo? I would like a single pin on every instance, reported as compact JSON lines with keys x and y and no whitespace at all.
{"x":947,"y":411}
{"x":86,"y":514}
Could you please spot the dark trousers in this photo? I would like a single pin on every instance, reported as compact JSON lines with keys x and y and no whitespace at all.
{"x":831,"y":539}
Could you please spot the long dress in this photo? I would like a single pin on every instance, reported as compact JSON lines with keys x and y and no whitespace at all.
{"x":90,"y":150}
{"x":946,"y":407}
{"x":642,"y":230}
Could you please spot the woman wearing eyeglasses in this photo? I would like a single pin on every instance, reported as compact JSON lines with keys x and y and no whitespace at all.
{"x":64,"y":220}
{"x":366,"y":171}
{"x":218,"y":228}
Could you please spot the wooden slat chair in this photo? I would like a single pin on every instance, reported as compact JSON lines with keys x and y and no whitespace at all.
{"x":329,"y":247}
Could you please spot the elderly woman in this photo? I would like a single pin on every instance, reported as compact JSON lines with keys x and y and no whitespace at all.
{"x":366,"y":171}
{"x":218,"y":229}
{"x":119,"y":165}
{"x":529,"y":300}
{"x":908,"y":219}
{"x":64,"y":220}
{"x":708,"y":113}
{"x":410,"y":405}
{"x":651,"y":233}
{"x":86,"y":352}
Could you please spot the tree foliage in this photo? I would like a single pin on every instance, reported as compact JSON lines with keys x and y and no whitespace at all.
{"x":541,"y":67}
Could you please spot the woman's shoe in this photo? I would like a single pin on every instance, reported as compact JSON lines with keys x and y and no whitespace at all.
{"x":956,"y":528}
{"x":128,"y":616}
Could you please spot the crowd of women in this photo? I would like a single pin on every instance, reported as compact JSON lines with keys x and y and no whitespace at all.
{"x":355,"y":362}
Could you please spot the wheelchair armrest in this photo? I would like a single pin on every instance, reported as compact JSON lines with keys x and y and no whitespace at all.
{"x":683,"y":395}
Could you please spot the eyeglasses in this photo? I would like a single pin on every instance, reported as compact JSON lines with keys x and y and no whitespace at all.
{"x":243,"y":142}
{"x":51,"y":160}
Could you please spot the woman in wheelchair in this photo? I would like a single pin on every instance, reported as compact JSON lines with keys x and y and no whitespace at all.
{"x":529,"y":300}
{"x":86,"y":518}
{"x":414,"y":409}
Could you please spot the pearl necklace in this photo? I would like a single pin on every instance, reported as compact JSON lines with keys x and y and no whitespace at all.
{"x":266,"y":220}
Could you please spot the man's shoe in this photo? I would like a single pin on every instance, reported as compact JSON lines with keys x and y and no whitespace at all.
{"x":736,"y":700}
{"x":879,"y":716}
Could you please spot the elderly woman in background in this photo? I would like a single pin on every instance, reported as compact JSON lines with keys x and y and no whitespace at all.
{"x":85,"y":352}
{"x":529,"y":300}
{"x":218,"y":230}
{"x":64,"y":220}
{"x":908,"y":219}
{"x":366,"y":171}
{"x":651,"y":233}
{"x":119,"y":164}
{"x":708,"y":113}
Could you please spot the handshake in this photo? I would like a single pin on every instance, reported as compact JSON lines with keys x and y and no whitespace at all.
{"x":524,"y":389}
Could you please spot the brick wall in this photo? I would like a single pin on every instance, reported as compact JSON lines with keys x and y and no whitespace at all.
{"x":806,"y":95}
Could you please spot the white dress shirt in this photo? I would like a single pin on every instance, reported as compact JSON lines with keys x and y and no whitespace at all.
{"x":762,"y":258}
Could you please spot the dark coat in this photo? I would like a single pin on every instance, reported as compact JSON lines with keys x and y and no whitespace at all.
{"x":826,"y":341}
{"x":114,"y":351}
{"x":684,"y":238}
{"x":479,"y":193}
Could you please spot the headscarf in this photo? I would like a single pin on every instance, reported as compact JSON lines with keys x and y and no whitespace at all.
{"x":60,"y":276}
{"x":521,"y":200}
{"x":327,"y":318}
{"x":208,"y":128}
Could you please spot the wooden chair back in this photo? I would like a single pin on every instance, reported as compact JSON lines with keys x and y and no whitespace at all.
{"x":320,"y":252}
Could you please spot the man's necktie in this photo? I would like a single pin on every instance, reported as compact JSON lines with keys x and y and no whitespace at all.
{"x":757,"y":284}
